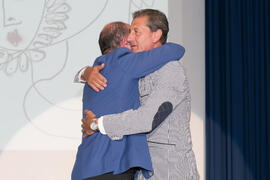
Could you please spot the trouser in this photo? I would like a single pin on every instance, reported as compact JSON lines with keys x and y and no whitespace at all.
{"x":128,"y":175}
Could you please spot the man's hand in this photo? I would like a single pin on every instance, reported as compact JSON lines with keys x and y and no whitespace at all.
{"x":89,"y":118}
{"x":94,"y":79}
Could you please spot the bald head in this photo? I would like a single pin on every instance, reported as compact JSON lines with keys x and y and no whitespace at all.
{"x":113,"y":35}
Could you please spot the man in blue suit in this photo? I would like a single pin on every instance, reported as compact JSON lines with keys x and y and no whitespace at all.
{"x":98,"y":156}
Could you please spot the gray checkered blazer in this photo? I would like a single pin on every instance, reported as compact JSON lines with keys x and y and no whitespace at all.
{"x":170,"y":142}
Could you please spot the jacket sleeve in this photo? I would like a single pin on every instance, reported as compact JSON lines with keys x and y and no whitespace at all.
{"x":167,"y":94}
{"x":143,"y":63}
{"x":77,"y":78}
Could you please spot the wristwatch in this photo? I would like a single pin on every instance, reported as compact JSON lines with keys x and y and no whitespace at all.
{"x":94,"y":126}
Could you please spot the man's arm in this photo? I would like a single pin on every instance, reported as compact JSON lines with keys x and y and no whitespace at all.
{"x":140,"y":64}
{"x":96,"y":80}
{"x":79,"y":75}
{"x":136,"y":64}
{"x":164,"y":98}
{"x":89,"y":118}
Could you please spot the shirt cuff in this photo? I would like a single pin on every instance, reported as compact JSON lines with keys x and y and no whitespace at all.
{"x":100,"y":125}
{"x":78,"y":76}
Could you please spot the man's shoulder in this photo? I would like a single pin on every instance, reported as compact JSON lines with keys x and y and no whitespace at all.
{"x":116,"y":54}
{"x":173,"y":68}
{"x":174,"y":65}
{"x":170,"y":71}
{"x":122,"y":51}
{"x":172,"y":75}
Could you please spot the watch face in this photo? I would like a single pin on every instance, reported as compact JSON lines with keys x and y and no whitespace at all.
{"x":94,"y":126}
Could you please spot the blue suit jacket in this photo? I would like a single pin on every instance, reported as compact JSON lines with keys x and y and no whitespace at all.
{"x":98,"y":154}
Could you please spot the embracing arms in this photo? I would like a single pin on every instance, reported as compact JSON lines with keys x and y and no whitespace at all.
{"x":161,"y":101}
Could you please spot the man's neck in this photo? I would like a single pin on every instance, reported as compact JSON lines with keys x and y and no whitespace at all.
{"x":157,"y":44}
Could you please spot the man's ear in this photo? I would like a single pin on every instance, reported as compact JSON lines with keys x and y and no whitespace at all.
{"x":157,"y":35}
{"x":123,"y":42}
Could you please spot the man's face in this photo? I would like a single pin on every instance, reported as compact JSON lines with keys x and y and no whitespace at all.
{"x":125,"y":42}
{"x":140,"y":37}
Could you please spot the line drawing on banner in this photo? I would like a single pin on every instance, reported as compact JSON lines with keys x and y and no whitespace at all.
{"x":34,"y":83}
{"x":50,"y":28}
{"x":139,"y":4}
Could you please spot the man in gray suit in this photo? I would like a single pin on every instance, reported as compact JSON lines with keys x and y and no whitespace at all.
{"x":164,"y":114}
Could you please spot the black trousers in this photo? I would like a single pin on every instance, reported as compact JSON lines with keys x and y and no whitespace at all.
{"x":128,"y":175}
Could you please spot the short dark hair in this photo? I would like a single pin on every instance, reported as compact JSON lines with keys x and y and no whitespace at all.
{"x":111,"y":36}
{"x":156,"y":20}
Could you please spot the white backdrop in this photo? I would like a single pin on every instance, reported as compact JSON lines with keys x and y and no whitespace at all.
{"x":187,"y":27}
{"x":42,"y":45}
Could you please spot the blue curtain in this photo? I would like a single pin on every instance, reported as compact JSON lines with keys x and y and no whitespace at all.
{"x":237,"y":89}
